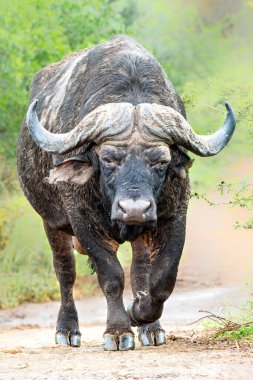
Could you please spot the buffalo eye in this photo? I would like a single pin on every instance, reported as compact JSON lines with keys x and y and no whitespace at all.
{"x":159,"y":164}
{"x":110,"y":161}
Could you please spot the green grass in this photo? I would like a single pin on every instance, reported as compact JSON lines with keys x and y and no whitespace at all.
{"x":242,"y":332}
{"x":26,"y":272}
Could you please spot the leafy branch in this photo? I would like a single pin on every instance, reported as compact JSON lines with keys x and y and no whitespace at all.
{"x":240,"y":195}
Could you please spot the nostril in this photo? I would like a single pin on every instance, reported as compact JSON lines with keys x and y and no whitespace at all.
{"x":147,"y":207}
{"x":121,"y":206}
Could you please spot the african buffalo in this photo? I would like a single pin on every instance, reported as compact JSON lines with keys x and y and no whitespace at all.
{"x":104,"y":161}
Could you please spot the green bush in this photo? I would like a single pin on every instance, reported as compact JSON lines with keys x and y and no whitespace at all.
{"x":34,"y":33}
{"x":242,"y":332}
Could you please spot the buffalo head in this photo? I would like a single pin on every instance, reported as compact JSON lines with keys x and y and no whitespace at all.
{"x":134,"y":146}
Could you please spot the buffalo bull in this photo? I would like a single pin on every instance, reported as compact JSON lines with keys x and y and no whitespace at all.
{"x":104,"y":161}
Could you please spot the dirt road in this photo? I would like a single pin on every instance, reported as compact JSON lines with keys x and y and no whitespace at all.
{"x":27,"y":350}
{"x":217,"y":258}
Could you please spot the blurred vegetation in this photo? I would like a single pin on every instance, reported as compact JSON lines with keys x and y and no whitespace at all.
{"x":206,"y":50}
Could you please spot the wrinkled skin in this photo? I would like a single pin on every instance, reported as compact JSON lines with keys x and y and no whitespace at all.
{"x":133,"y":173}
{"x":106,"y":194}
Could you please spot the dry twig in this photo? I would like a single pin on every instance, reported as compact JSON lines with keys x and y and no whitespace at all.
{"x":226,"y":324}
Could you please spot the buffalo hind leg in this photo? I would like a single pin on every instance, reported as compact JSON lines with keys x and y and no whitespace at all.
{"x":67,"y":330}
{"x":150,"y":334}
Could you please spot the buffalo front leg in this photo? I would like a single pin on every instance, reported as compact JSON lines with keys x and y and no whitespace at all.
{"x":168,"y":242}
{"x":118,"y":334}
{"x":67,"y":330}
{"x":102,"y":253}
{"x":150,"y":334}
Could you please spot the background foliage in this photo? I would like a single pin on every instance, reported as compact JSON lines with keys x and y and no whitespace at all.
{"x":206,"y":50}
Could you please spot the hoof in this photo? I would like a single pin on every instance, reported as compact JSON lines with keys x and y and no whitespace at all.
{"x":115,"y":342}
{"x":146,"y":338}
{"x":160,"y":337}
{"x":62,"y":339}
{"x":126,"y":342}
{"x":66,"y":339}
{"x":110,"y":342}
{"x":75,"y":340}
{"x":151,"y":335}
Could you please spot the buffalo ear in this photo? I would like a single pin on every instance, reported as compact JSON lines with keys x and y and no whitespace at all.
{"x":180,"y":169}
{"x":71,"y":170}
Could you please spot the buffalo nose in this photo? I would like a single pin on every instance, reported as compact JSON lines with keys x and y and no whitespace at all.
{"x":134,"y":210}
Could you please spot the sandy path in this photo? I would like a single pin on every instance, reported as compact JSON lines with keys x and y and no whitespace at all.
{"x":27,"y":350}
{"x":181,"y":359}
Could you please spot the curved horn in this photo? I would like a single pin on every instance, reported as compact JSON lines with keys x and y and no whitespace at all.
{"x":168,"y":124}
{"x":103,"y":122}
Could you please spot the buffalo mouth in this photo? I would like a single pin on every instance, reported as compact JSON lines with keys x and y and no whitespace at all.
{"x":137,"y":223}
{"x":130,"y":232}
